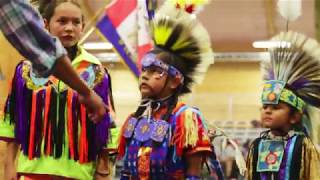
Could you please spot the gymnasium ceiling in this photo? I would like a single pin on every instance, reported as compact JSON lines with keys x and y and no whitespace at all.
{"x":234,"y":24}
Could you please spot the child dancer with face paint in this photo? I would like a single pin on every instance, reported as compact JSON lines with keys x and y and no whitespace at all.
{"x":165,"y":138}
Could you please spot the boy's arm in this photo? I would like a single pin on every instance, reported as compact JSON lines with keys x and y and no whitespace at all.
{"x":196,"y":142}
{"x":64,"y":71}
{"x":24,"y":29}
{"x":194,"y":165}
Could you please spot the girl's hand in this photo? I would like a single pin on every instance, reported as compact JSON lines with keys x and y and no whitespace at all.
{"x":102,"y":169}
{"x":101,"y":177}
{"x":10,"y":172}
{"x":95,"y":107}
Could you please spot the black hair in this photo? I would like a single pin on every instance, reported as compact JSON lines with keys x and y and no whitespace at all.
{"x":171,"y":102}
{"x":47,"y":7}
{"x":298,"y":126}
{"x":110,"y":90}
{"x":293,"y":110}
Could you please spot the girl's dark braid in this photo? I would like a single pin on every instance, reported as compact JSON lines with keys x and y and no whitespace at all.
{"x":139,"y":111}
{"x":172,"y":103}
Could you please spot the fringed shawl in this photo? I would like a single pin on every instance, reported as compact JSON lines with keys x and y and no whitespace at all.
{"x":48,"y":118}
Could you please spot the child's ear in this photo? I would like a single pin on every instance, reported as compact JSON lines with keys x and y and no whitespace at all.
{"x":175,"y":82}
{"x":46,"y":23}
{"x":295,"y":118}
{"x":83,"y":26}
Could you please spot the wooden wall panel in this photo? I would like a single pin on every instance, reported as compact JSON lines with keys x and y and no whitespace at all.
{"x":9,"y":58}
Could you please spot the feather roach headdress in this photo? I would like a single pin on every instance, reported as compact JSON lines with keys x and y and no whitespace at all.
{"x":293,"y":73}
{"x":295,"y":63}
{"x":184,"y":42}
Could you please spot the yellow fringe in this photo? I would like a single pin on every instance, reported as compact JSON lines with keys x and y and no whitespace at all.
{"x":99,"y":75}
{"x":26,"y":67}
{"x":191,"y":128}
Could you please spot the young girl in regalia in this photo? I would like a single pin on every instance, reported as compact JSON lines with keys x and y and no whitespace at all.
{"x":43,"y":116}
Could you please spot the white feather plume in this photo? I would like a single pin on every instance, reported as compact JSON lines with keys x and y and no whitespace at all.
{"x":241,"y":163}
{"x":289,"y":9}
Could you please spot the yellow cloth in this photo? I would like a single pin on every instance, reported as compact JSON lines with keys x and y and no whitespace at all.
{"x":310,"y":164}
{"x":250,"y":163}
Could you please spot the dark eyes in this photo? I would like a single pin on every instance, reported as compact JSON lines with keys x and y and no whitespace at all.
{"x":152,"y":70}
{"x":64,"y":21}
{"x":272,"y":106}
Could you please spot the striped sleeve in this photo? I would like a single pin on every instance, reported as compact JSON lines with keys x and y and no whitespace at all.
{"x":24,"y":29}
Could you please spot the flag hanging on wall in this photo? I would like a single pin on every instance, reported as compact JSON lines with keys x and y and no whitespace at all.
{"x":125,"y":25}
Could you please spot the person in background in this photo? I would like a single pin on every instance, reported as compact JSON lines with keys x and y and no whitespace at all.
{"x":44,"y":118}
{"x":24,"y":29}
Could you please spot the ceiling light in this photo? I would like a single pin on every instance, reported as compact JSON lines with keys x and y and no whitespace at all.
{"x":241,"y":56}
{"x":108,"y":57}
{"x":271,"y":44}
{"x":97,"y":46}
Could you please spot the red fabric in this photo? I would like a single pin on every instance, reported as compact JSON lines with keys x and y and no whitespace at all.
{"x":203,"y":143}
{"x":83,"y":138}
{"x":122,"y":141}
{"x":70,"y":125}
{"x":32,"y":125}
{"x":120,"y":10}
{"x":142,"y":50}
{"x":48,"y":150}
{"x":46,"y":111}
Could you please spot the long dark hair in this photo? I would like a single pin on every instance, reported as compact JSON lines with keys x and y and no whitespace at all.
{"x":171,"y":102}
{"x":298,"y":126}
{"x":47,"y":7}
